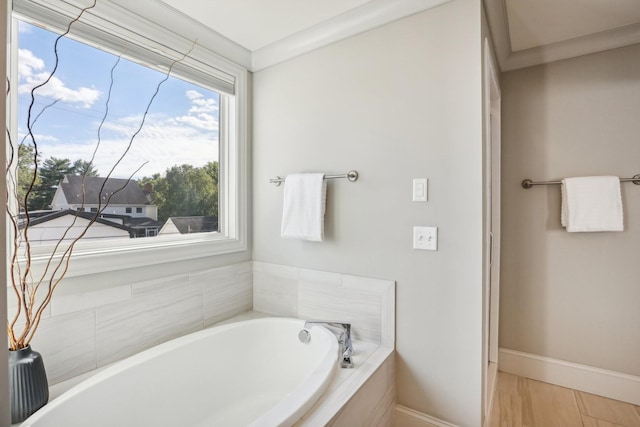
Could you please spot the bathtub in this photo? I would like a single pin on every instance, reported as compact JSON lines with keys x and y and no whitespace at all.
{"x":250,"y":373}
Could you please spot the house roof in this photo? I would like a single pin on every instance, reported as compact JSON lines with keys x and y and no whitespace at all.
{"x":43,"y":217}
{"x":129,"y":192}
{"x":134,"y":222}
{"x":194,"y":224}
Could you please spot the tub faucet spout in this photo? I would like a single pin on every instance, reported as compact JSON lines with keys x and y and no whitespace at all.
{"x":342,"y":331}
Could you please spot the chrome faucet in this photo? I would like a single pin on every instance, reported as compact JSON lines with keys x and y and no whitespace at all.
{"x":342,"y":331}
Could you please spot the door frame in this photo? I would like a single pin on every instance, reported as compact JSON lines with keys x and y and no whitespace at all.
{"x":491,"y":238}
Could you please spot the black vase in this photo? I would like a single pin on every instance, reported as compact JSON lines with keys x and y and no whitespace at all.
{"x":27,"y":383}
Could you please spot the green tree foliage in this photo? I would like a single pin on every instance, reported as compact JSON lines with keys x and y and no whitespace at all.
{"x":185,"y":191}
{"x":83,"y":167}
{"x":50,"y":172}
{"x":182,"y":191}
{"x":25,"y":172}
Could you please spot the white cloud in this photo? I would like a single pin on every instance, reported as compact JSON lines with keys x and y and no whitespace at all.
{"x":159,"y":153}
{"x":163,"y":142}
{"x":200,"y":114}
{"x":30,"y":75}
{"x":194,"y":94}
{"x":27,"y":63}
{"x":202,"y":121}
{"x":200,"y":104}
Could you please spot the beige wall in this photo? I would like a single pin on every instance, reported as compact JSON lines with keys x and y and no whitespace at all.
{"x":399,"y":102}
{"x":571,"y":296}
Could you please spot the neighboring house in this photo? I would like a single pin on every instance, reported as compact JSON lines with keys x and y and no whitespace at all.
{"x":189,"y":225}
{"x":50,"y":227}
{"x":140,"y":227}
{"x":127,"y":196}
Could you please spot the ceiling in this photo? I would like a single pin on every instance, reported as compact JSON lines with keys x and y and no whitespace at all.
{"x":543,"y":22}
{"x":531,"y":32}
{"x":525,"y":32}
{"x":255,"y":24}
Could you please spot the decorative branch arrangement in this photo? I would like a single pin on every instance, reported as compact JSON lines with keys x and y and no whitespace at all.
{"x":22,"y":327}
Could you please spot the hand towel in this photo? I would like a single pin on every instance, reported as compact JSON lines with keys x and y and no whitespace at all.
{"x":592,"y":203}
{"x":303,"y":207}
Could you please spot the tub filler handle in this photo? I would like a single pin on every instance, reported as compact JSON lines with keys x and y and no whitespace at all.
{"x":342,"y":331}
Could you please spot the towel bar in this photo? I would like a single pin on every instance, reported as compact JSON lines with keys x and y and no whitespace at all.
{"x":527,"y":183}
{"x":351,"y":176}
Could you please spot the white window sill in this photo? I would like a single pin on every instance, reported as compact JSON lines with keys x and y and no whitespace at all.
{"x":91,"y":257}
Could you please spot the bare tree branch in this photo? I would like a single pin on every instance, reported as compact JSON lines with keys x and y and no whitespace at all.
{"x":57,"y":263}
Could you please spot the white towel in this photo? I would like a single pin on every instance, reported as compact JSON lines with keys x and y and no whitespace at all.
{"x":303,"y":207}
{"x":592,"y":203}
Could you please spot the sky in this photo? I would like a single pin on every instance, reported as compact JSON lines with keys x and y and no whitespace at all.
{"x":181,"y":126}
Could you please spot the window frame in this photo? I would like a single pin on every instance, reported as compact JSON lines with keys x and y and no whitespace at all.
{"x":149,"y":38}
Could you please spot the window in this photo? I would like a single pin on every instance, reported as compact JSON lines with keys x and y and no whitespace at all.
{"x":189,"y":138}
{"x":108,"y":118}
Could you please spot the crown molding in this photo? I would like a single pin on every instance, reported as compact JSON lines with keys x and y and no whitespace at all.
{"x":370,"y":15}
{"x":364,"y":18}
{"x":585,"y":45}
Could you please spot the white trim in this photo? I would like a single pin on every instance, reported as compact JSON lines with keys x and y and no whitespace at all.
{"x":592,"y":43}
{"x":364,"y":18}
{"x":90,"y":257}
{"x":407,"y":417}
{"x":120,"y":31}
{"x":491,"y":275}
{"x":603,"y":382}
{"x":6,"y":30}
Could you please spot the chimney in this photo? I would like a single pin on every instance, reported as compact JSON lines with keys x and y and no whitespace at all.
{"x":147,"y":189}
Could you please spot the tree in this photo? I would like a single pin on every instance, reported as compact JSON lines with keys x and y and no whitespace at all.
{"x":186,"y":191}
{"x":48,"y":176}
{"x":25,"y":172}
{"x":83,"y":167}
{"x":211,"y":169}
{"x":52,"y":171}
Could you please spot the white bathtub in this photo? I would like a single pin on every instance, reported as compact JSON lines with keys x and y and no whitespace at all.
{"x":250,"y":373}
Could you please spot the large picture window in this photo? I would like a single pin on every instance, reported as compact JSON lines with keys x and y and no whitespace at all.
{"x":154,"y":143}
{"x":103,"y":118}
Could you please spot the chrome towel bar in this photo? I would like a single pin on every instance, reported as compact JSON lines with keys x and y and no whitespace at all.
{"x":351,"y":176}
{"x":527,"y":183}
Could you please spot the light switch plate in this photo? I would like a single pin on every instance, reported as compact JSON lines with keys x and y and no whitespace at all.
{"x":420,"y":190}
{"x":425,"y":238}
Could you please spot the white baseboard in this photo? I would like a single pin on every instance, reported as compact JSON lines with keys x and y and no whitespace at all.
{"x":407,"y":417}
{"x":611,"y":384}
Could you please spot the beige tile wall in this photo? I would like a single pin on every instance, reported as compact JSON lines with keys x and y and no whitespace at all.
{"x":368,"y":304}
{"x":86,"y":330}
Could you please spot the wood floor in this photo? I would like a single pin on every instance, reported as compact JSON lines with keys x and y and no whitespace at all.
{"x":523,"y":402}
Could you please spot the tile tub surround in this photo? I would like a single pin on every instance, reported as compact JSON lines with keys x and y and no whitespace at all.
{"x":368,"y":304}
{"x":225,"y":295}
{"x":83,"y":331}
{"x":366,"y":395}
{"x":363,"y":396}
